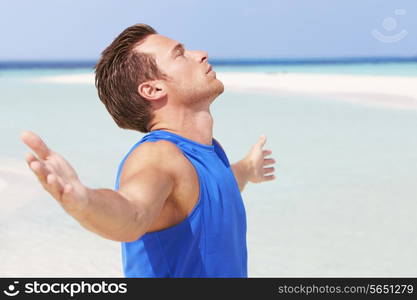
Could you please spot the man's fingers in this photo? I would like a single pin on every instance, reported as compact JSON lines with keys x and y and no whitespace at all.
{"x":269,"y":177}
{"x":34,"y":142}
{"x":40,"y":170}
{"x":54,"y":187}
{"x":30,"y":157}
{"x":262,"y":140}
{"x":59,"y":189}
{"x":266,"y":152}
{"x":269,"y":161}
{"x":61,"y":182}
{"x":269,"y":170}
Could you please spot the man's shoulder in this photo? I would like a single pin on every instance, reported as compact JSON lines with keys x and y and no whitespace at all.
{"x":163,"y":155}
{"x":157,"y":148}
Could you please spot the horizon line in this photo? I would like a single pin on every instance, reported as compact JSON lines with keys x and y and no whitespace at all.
{"x":90,"y":63}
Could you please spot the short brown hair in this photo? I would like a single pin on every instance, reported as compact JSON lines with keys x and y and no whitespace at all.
{"x":119,"y":72}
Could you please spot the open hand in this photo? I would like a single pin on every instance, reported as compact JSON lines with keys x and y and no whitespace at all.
{"x":55,"y":174}
{"x":257,"y":161}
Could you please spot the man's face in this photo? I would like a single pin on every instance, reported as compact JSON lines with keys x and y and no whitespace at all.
{"x":189,"y":80}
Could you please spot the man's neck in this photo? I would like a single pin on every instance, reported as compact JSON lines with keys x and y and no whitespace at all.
{"x":196,"y":126}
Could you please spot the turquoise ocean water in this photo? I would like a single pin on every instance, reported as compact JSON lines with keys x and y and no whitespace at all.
{"x":390,"y":69}
{"x":343,"y":203}
{"x":393,"y":68}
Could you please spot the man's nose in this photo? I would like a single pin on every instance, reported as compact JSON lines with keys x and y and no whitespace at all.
{"x":204,"y":56}
{"x":201,"y":56}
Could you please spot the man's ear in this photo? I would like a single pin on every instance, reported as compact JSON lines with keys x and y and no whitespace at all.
{"x":152,"y":90}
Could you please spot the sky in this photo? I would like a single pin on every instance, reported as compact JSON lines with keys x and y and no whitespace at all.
{"x":50,"y":30}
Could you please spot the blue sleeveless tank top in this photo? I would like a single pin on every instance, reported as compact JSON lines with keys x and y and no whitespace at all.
{"x":211,"y":241}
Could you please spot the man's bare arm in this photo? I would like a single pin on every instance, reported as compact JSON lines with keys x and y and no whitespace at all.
{"x":122,"y":215}
{"x":126,"y":215}
{"x":240,"y":170}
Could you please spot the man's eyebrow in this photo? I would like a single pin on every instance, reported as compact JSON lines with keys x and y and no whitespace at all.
{"x":177,"y":47}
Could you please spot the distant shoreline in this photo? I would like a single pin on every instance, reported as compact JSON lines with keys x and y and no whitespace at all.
{"x":89,"y":64}
{"x":389,"y":91}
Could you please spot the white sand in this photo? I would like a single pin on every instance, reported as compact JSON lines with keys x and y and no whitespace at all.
{"x":38,"y":238}
{"x":18,"y":185}
{"x":323,"y":83}
{"x":67,"y":79}
{"x":3,"y":184}
{"x":391,"y":91}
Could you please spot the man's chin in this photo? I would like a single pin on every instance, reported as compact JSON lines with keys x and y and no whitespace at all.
{"x":213,"y":90}
{"x":221,"y":87}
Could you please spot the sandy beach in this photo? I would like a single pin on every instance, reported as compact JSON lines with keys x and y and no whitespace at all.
{"x":389,"y":91}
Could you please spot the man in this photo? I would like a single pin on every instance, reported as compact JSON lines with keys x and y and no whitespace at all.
{"x":176,"y":208}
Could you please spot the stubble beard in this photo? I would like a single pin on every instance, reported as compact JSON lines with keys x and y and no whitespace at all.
{"x":207,"y":94}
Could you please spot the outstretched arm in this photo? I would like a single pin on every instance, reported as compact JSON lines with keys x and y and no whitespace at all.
{"x":252,"y":168}
{"x":122,"y":215}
